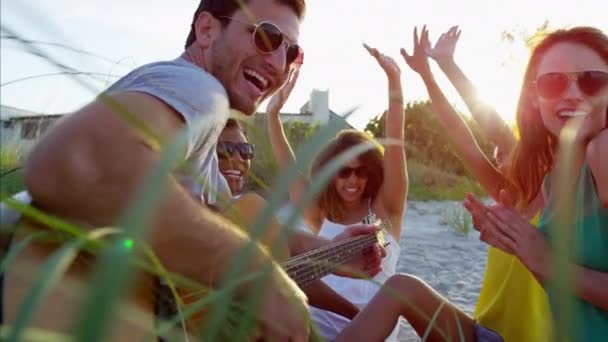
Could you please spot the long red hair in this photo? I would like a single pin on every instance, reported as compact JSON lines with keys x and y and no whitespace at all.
{"x":534,"y":154}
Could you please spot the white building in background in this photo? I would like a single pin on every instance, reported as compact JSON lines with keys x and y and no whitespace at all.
{"x":25,"y":127}
{"x":22,"y":126}
{"x":314,"y":111}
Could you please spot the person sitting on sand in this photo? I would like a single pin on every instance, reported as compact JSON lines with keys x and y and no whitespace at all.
{"x":374,"y":183}
{"x":565,"y":88}
{"x":104,"y":160}
{"x":235,"y":154}
{"x":562,"y":118}
{"x":511,"y":301}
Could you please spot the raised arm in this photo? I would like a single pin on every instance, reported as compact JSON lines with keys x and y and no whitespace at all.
{"x":280,"y":145}
{"x":459,"y":133}
{"x":103,"y":160}
{"x":492,"y":125}
{"x":284,"y":154}
{"x":393,"y":191}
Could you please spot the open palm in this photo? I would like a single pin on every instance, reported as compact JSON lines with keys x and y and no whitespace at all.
{"x":445,"y":46}
{"x":390,"y":67}
{"x":280,"y":97}
{"x":419,"y":61}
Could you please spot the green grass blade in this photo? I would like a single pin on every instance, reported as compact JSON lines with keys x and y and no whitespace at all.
{"x":213,"y":296}
{"x":114,"y":271}
{"x":14,"y":251}
{"x":428,"y":330}
{"x":459,"y":326}
{"x":563,"y":228}
{"x":35,"y":335}
{"x":277,"y":198}
{"x":164,"y":275}
{"x":50,"y":221}
{"x":51,"y":270}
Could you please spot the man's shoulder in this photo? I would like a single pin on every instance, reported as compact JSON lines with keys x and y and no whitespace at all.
{"x":178,"y":76}
{"x":185,"y":87}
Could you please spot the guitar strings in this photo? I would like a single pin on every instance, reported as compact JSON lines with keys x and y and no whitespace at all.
{"x":321,"y":269}
{"x":324,"y":254}
{"x":319,"y":265}
{"x":312,"y":254}
{"x":329,"y":246}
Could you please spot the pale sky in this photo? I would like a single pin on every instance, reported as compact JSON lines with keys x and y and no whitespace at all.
{"x":130,"y":33}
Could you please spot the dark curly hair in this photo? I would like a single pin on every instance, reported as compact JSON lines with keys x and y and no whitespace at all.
{"x":328,"y":199}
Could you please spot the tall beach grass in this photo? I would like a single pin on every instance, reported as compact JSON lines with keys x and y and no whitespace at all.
{"x":121,"y":251}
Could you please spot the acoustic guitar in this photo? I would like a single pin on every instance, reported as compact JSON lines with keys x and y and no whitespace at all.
{"x":304,"y":268}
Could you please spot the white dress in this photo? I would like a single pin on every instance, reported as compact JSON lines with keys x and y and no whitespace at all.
{"x":357,"y":291}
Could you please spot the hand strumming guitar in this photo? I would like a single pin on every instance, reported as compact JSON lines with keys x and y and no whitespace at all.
{"x":368,"y":264}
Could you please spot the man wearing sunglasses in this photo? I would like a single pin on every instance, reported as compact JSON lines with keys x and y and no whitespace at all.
{"x":89,"y":167}
{"x":249,"y":54}
{"x":235,"y":154}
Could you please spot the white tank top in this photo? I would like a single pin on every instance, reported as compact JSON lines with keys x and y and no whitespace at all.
{"x":358,"y":291}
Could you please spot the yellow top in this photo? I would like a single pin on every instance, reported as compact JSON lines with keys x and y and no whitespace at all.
{"x":511,"y":301}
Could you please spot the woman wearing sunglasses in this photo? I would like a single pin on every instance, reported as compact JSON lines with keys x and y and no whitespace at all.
{"x":566,"y":83}
{"x":373,"y":183}
{"x":511,"y":301}
{"x":235,"y":154}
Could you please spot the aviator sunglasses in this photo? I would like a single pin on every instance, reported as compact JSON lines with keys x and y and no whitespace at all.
{"x":346,"y":172}
{"x":268,"y":38}
{"x":226,"y":149}
{"x":553,"y":84}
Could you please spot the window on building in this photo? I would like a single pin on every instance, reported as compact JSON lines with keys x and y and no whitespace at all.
{"x":29,"y":130}
{"x":44,"y":126}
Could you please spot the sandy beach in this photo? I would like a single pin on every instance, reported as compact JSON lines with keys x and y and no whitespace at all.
{"x":453,"y":264}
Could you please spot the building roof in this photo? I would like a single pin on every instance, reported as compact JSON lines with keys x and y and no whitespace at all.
{"x":12,"y":113}
{"x":16,"y":114}
{"x":286,"y":114}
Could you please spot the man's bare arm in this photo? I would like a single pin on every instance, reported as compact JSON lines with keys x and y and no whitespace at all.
{"x":88,"y":168}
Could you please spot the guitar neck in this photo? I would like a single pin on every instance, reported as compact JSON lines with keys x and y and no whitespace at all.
{"x":308,"y":267}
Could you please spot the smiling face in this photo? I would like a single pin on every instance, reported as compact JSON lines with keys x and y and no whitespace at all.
{"x":233,"y":166}
{"x":248,"y":75}
{"x":351,"y":181}
{"x":570,"y":58}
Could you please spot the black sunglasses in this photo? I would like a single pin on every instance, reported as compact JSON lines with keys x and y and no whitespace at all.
{"x":553,"y":84}
{"x":227,"y":149}
{"x":268,"y":38}
{"x":346,"y":172}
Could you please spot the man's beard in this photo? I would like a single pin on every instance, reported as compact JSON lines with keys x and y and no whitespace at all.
{"x":222,"y":68}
